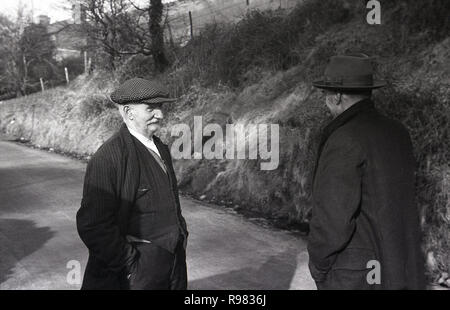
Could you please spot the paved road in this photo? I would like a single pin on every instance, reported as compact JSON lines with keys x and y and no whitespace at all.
{"x":40,"y":193}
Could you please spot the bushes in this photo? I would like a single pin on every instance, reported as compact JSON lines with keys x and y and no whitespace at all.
{"x":196,"y":61}
{"x":268,"y":40}
{"x":256,"y":41}
{"x":428,"y":17}
{"x":75,"y":66}
{"x":272,"y":39}
{"x":94,"y":105}
{"x":278,"y":40}
{"x":136,"y":66}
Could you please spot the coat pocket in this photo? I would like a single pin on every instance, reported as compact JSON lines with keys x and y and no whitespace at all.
{"x":354,"y":259}
{"x":142,"y":191}
{"x":145,"y":200}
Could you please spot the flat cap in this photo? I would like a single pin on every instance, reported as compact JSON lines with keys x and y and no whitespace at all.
{"x":139,"y":90}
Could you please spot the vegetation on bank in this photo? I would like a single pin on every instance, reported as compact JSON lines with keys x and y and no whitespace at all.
{"x":260,"y":71}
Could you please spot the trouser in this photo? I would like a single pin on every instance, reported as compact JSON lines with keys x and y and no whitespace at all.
{"x":158,"y":269}
{"x":346,"y":279}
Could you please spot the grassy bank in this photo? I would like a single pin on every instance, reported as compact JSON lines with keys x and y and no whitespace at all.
{"x":260,"y":71}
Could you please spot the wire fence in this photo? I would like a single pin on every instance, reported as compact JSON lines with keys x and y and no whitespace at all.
{"x":181,"y":27}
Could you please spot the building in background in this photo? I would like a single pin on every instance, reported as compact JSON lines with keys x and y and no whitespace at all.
{"x":78,"y":14}
{"x":68,"y":35}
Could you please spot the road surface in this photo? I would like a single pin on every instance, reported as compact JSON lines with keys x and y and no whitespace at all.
{"x":40,"y":193}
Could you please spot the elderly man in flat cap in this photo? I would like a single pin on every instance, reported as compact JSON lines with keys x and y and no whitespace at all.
{"x":364,"y":231}
{"x":130,"y":217}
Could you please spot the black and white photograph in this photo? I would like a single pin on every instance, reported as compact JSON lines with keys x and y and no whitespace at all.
{"x":225,"y":149}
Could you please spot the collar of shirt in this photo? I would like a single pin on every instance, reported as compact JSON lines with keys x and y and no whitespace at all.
{"x":145,"y":141}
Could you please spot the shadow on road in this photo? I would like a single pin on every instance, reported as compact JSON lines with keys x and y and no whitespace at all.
{"x":29,"y":187}
{"x":18,"y":239}
{"x":275,"y":274}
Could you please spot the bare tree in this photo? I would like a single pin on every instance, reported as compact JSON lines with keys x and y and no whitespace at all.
{"x":13,"y":82}
{"x":107,"y":17}
{"x":124,"y":28}
{"x":154,"y":11}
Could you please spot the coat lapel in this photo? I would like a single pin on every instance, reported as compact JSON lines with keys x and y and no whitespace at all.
{"x":129,"y":177}
{"x":165,"y":156}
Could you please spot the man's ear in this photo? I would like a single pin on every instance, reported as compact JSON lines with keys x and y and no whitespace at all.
{"x":128,"y":111}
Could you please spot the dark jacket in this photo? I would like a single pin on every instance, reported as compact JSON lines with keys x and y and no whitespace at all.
{"x":364,"y":204}
{"x":110,"y":188}
{"x":155,"y":215}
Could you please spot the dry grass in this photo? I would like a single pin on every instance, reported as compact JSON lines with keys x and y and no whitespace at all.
{"x":76,"y":119}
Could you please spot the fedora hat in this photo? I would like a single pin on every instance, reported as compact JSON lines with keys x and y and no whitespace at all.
{"x":349,"y":73}
{"x":137,"y":90}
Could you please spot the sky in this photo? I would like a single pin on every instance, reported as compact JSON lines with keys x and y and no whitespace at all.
{"x":56,"y":9}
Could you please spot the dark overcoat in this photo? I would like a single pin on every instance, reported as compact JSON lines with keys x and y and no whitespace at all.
{"x":109,"y":193}
{"x":364,"y":216}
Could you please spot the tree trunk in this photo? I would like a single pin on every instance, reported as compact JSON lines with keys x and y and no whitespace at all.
{"x":157,"y":36}
{"x":25,"y":76}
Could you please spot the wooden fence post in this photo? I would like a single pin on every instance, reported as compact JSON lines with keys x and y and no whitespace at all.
{"x":190,"y":21}
{"x":85,"y":63}
{"x":89,"y":65}
{"x":67,"y":75}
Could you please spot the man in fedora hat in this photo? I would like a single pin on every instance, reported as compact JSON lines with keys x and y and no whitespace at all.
{"x":130,"y":217}
{"x":364,"y":230}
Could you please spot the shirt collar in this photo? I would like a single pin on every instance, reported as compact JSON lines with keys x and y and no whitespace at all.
{"x":148,"y":142}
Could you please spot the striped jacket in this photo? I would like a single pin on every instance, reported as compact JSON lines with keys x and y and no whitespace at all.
{"x":109,"y":193}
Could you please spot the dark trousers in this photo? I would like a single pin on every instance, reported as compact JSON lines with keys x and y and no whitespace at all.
{"x":346,"y":279}
{"x":158,"y":269}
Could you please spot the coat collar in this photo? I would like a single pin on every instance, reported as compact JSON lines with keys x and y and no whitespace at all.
{"x":125,"y":134}
{"x":344,"y":117}
{"x":341,"y":119}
